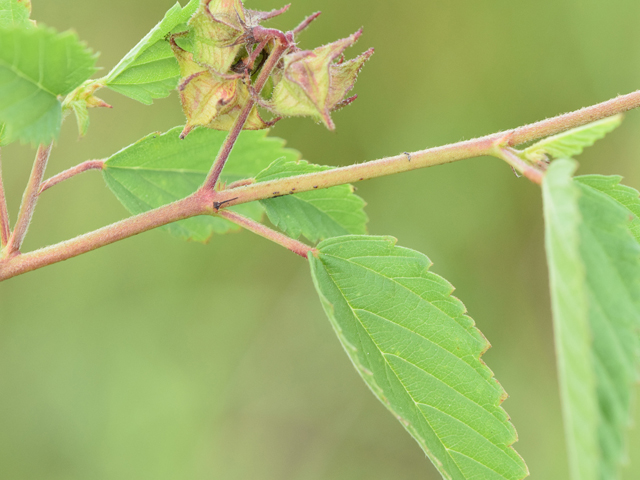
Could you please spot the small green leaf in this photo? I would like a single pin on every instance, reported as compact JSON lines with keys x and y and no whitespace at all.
{"x":626,"y":196}
{"x":161,"y":168}
{"x":14,"y":13}
{"x":38,"y":65}
{"x":572,"y":142}
{"x":418,"y":351}
{"x":318,"y":214}
{"x":150,"y":70}
{"x":81,"y":112}
{"x":594,"y":263}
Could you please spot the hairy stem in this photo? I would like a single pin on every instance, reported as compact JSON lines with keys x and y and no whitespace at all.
{"x":230,"y":141}
{"x":493,"y":145}
{"x":188,"y":207}
{"x":295,"y":246}
{"x":202,"y":202}
{"x":520,"y":166}
{"x":5,"y":229}
{"x":72,"y":172}
{"x":29,"y":199}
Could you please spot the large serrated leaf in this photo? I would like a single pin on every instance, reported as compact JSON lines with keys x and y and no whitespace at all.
{"x":628,"y":197}
{"x":150,"y":69}
{"x":162,"y":168}
{"x":37,"y":65}
{"x":605,"y":295}
{"x":572,"y":142}
{"x":418,"y":351}
{"x":14,"y":14}
{"x":318,"y":214}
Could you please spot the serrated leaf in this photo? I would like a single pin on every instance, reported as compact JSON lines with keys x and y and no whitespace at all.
{"x":317,"y":214}
{"x":626,"y":196}
{"x":38,"y":65}
{"x":14,"y":14}
{"x":604,"y":274}
{"x":150,"y":70}
{"x":161,"y":168}
{"x":418,"y":351}
{"x":572,"y":142}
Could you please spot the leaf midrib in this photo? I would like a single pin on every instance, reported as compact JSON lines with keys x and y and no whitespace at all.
{"x":19,"y":74}
{"x":384,"y":355}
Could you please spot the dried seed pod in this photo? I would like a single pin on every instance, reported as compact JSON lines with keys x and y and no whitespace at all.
{"x":314,"y":83}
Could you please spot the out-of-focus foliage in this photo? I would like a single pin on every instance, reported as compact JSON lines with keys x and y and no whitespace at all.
{"x":157,"y":359}
{"x":594,"y":265}
{"x":38,"y":66}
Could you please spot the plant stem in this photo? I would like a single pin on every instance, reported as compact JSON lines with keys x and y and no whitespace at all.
{"x":201,"y":203}
{"x":357,"y":172}
{"x":191,"y":206}
{"x":230,"y":141}
{"x":488,"y":145}
{"x":578,"y":118}
{"x":29,"y":199}
{"x":73,"y":171}
{"x":295,"y":246}
{"x":5,"y":229}
{"x":519,"y":165}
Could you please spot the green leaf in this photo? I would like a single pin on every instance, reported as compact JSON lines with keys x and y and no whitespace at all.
{"x":161,"y":168}
{"x":594,"y":263}
{"x":81,"y":112}
{"x":572,"y":142}
{"x":418,"y":351}
{"x":14,"y":14}
{"x":37,"y":66}
{"x":573,"y":335}
{"x":626,"y":196}
{"x":318,"y":214}
{"x":150,"y":69}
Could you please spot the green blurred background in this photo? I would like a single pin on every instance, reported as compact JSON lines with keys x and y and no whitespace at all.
{"x":157,"y":359}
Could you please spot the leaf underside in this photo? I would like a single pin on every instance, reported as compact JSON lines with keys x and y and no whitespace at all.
{"x":161,"y":168}
{"x":36,"y":66}
{"x":572,"y":142}
{"x":150,"y":69}
{"x":419,"y":353}
{"x":594,"y":265}
{"x":317,"y":214}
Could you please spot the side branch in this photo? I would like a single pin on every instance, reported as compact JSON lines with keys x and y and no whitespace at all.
{"x":72,"y":172}
{"x":5,"y":229}
{"x":29,"y":199}
{"x":232,"y":138}
{"x":489,"y":145}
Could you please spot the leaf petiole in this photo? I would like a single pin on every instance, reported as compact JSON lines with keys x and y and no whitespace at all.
{"x":295,"y":246}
